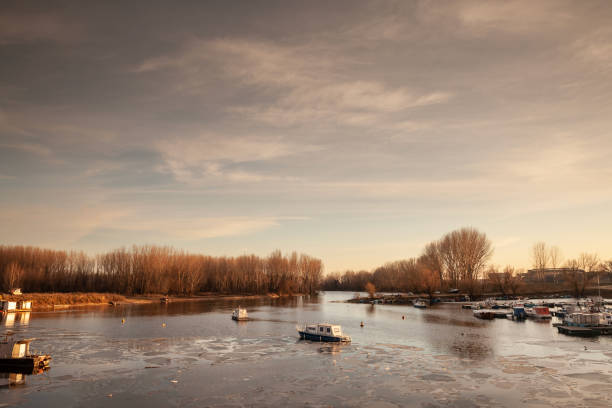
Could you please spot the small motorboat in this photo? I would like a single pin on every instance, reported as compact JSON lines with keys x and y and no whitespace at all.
{"x":420,"y":304}
{"x":323,"y":332}
{"x":240,"y":314}
{"x":15,"y":354}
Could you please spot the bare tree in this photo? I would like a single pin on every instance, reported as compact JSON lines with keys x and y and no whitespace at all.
{"x":540,"y":257}
{"x":497,"y":279}
{"x":512,"y":281}
{"x":576,"y":278}
{"x":13,"y":273}
{"x":371,"y":289}
{"x":465,"y":253}
{"x":588,"y":262}
{"x":429,"y":281}
{"x":432,"y":258}
{"x":555,"y":256}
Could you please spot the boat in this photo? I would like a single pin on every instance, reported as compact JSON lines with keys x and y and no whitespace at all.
{"x":240,"y":314}
{"x":485,"y":314}
{"x":165,"y":299}
{"x":326,"y":332}
{"x":420,"y":304}
{"x":15,"y":354}
{"x":538,"y":312}
{"x":518,"y":312}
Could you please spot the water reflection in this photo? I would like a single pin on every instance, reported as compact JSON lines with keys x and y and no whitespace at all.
{"x":14,"y":376}
{"x":10,"y":319}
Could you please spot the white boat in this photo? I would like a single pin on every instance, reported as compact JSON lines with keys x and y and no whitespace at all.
{"x":240,"y":314}
{"x":420,"y":304}
{"x":323,"y":332}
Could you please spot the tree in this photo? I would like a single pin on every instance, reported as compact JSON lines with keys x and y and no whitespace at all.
{"x":512,"y":282}
{"x":13,"y":274}
{"x":465,"y":253}
{"x":432,"y":258}
{"x":371,"y":289}
{"x":576,"y":279}
{"x":497,"y":279}
{"x":555,"y":256}
{"x":540,"y":257}
{"x":588,"y":262}
{"x":430,"y":281}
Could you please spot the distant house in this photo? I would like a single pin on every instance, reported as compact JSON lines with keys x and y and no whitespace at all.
{"x":551,"y":275}
{"x":16,"y":291}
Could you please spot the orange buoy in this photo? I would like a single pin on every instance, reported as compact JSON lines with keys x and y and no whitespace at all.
{"x":361,"y":324}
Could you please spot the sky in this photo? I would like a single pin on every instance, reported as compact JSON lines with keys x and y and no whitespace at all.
{"x":356,"y":132}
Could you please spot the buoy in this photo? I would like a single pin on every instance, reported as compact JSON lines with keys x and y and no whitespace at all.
{"x":163,"y":324}
{"x":361,"y":324}
{"x":403,"y":317}
{"x":122,"y":321}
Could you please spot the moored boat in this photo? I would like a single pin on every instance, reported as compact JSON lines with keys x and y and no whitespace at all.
{"x":420,"y":304}
{"x":322,"y":332}
{"x":240,"y":314}
{"x":486,"y":314}
{"x":15,"y":354}
{"x":538,"y":312}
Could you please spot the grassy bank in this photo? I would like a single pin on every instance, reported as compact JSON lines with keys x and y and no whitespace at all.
{"x":51,"y":301}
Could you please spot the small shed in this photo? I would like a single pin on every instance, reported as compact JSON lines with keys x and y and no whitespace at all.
{"x":25,"y":305}
{"x":8,"y":305}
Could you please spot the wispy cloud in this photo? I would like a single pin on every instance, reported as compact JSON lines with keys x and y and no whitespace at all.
{"x":197,"y":160}
{"x":302,"y":83}
{"x":21,"y":27}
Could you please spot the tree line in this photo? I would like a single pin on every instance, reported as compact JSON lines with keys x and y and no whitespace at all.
{"x":156,"y":269}
{"x":457,"y":260}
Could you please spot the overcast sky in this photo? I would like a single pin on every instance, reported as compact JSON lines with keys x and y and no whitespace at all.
{"x":353,"y":131}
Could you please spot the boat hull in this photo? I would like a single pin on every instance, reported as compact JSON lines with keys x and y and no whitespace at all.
{"x":27,"y":363}
{"x":315,"y":337}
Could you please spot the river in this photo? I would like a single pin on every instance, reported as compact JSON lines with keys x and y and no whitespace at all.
{"x":191,"y":354}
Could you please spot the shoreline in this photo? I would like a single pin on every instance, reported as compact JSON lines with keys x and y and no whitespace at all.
{"x":51,"y":302}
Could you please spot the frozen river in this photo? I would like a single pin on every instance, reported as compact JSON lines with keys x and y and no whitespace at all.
{"x":193,"y":354}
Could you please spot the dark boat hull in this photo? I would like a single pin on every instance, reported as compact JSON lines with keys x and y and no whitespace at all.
{"x":322,"y":338}
{"x":27,"y":363}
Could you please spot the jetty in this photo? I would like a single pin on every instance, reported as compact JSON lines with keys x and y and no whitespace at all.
{"x":585,"y":331}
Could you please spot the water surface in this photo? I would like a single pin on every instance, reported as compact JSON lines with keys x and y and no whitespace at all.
{"x":193,"y":354}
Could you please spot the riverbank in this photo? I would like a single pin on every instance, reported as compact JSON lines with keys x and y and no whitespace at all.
{"x":62,"y":301}
{"x":403,"y":298}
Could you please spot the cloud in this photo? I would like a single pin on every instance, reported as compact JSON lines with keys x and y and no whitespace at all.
{"x":198,"y":160}
{"x":61,"y":227}
{"x":19,"y":27}
{"x":301,"y":83}
{"x":518,"y":16}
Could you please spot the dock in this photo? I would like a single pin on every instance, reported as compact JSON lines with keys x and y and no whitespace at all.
{"x":585,"y":331}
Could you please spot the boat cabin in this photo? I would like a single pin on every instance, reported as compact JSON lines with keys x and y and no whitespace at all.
{"x":14,"y":348}
{"x":324,"y":329}
{"x":240,"y":314}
